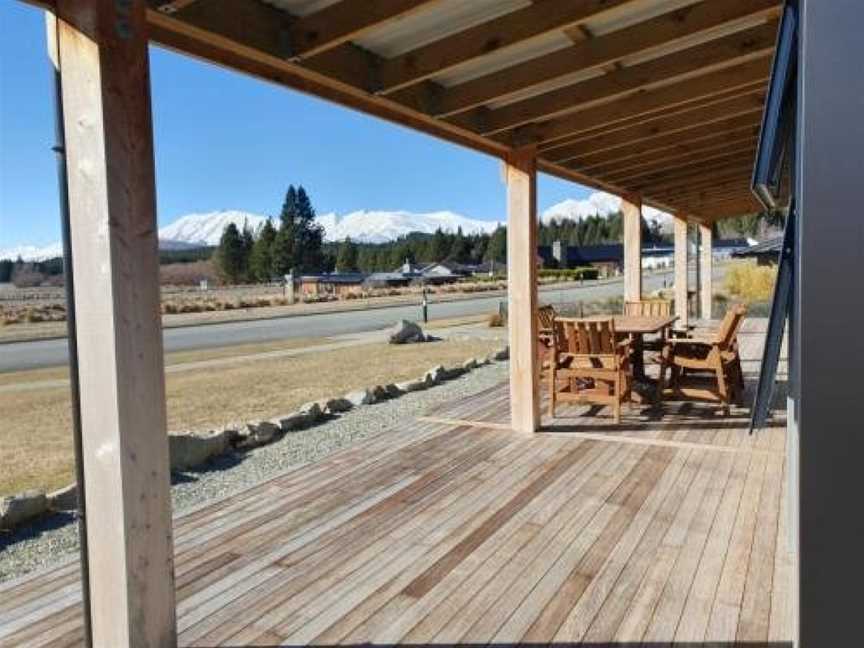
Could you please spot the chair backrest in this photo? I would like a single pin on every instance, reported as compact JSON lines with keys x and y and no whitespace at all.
{"x":587,"y":337}
{"x":732,"y":321}
{"x":648,"y":308}
{"x":546,"y":317}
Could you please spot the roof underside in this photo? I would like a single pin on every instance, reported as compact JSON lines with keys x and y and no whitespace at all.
{"x":657,"y":98}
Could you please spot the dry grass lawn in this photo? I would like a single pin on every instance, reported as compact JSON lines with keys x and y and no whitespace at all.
{"x":36,"y":437}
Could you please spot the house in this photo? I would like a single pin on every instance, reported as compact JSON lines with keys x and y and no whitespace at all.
{"x":765,"y":253}
{"x":607,"y":258}
{"x":338,"y":284}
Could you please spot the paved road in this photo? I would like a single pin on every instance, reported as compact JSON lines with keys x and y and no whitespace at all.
{"x":49,"y":353}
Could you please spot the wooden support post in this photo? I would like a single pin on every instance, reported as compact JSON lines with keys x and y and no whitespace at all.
{"x":681,"y":244}
{"x":631,"y":212}
{"x":521,"y":177}
{"x":706,"y":272}
{"x":103,"y":62}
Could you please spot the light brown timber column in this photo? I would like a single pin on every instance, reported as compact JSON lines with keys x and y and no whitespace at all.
{"x":521,"y":177}
{"x":706,"y":278}
{"x":103,"y":61}
{"x":631,"y":213}
{"x":680,"y":227}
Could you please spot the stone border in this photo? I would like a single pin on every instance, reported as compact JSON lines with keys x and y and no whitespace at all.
{"x":191,"y":449}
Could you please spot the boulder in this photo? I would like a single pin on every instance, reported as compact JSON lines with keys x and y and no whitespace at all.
{"x":258,"y":433}
{"x":312,"y":411}
{"x":453,"y":372}
{"x":502,"y":354}
{"x":21,"y":507}
{"x":189,"y":449}
{"x":406,"y":332}
{"x":481,"y":362}
{"x":418,"y":384}
{"x":393,"y":390}
{"x":292,"y":422}
{"x":64,"y":499}
{"x":436,"y":374}
{"x":360,"y":397}
{"x":470,"y":364}
{"x":337,"y":405}
{"x":379,"y":393}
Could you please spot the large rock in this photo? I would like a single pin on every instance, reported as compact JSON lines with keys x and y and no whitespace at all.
{"x":337,"y":405}
{"x":379,"y":392}
{"x":312,"y":411}
{"x":21,"y":507}
{"x":406,"y":332}
{"x":501,"y":354}
{"x":292,"y":422}
{"x":189,"y":449}
{"x":64,"y":499}
{"x":418,"y":384}
{"x":393,"y":390}
{"x":360,"y":397}
{"x":470,"y":364}
{"x":436,"y":375}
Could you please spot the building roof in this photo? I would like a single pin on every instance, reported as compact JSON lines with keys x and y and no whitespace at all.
{"x":335,"y":277}
{"x":765,"y":248}
{"x":658,"y":98}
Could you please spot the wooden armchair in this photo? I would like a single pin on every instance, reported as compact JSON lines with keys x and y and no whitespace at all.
{"x":589,"y":365}
{"x":545,"y":337}
{"x":715,"y":355}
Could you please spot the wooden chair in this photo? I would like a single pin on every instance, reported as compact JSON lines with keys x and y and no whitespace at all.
{"x":715,"y":355}
{"x":650,"y":308}
{"x":545,"y":336}
{"x":590,"y":364}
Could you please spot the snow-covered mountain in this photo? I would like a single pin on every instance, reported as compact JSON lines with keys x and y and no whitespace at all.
{"x":597,"y":203}
{"x":32,"y":252}
{"x":382,"y":226}
{"x":206,"y":228}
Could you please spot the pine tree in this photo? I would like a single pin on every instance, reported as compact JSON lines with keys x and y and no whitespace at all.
{"x":261,"y":257}
{"x":497,"y":248}
{"x":438,"y":246}
{"x":348,"y":257}
{"x":231,"y":255}
{"x":460,"y":248}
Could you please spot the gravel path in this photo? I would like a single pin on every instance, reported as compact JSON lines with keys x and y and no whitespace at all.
{"x":55,"y":537}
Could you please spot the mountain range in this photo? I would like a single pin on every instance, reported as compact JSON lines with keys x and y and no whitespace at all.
{"x":205,"y":229}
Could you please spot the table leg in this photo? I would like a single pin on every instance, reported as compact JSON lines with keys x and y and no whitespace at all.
{"x":638,"y":358}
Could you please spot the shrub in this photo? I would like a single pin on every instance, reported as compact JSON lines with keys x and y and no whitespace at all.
{"x":495,"y":320}
{"x":748,"y":282}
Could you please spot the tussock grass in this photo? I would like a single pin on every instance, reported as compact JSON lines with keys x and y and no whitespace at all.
{"x":36,"y":433}
{"x":748,"y":282}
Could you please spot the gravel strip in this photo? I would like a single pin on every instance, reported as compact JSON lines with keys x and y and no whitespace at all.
{"x":53,"y":538}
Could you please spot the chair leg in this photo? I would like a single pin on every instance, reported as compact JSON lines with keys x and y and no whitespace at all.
{"x":617,"y":402}
{"x":722,"y":388}
{"x":552,"y":389}
{"x":661,"y":380}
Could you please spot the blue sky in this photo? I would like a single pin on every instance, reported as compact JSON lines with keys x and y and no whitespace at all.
{"x":226,"y":141}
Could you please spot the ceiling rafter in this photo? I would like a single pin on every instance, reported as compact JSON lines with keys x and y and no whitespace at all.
{"x":677,"y":165}
{"x":537,"y":19}
{"x":684,"y":141}
{"x":343,"y":21}
{"x":650,"y":101}
{"x":755,"y":43}
{"x":599,"y":52}
{"x":682,"y":153}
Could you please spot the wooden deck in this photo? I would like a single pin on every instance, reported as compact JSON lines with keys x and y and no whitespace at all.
{"x":455,"y":530}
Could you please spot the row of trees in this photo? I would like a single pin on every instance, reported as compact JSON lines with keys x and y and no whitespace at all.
{"x":244,"y":255}
{"x":297,"y":243}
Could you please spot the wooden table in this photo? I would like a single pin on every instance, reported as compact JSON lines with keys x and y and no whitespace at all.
{"x":636,"y":327}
